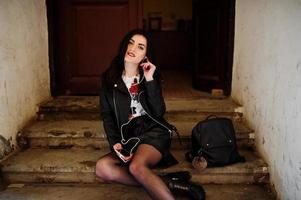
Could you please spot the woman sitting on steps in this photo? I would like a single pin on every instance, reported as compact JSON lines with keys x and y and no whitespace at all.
{"x":132,"y":108}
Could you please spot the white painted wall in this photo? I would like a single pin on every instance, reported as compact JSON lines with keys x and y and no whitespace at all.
{"x":267,"y":82}
{"x":24,"y":68}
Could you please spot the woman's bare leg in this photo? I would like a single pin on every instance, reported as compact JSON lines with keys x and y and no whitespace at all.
{"x":108,"y":170}
{"x":146,"y":156}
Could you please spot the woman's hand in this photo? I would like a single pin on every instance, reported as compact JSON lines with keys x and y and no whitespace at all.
{"x":128,"y":158}
{"x":148,"y":70}
{"x":117,"y":147}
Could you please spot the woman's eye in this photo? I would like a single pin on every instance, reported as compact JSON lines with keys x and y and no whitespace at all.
{"x":140,"y":47}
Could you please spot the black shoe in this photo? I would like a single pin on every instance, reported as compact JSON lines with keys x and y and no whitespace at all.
{"x":194,"y":191}
{"x":182,"y":176}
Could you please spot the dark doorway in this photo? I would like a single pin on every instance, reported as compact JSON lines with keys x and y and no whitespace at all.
{"x":84,"y":36}
{"x":214,"y":41}
{"x":196,"y":41}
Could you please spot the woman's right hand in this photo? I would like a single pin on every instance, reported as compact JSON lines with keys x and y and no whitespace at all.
{"x":117,"y":147}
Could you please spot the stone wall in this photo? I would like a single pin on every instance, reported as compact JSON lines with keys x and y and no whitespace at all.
{"x":24,"y":68}
{"x":267,"y":82}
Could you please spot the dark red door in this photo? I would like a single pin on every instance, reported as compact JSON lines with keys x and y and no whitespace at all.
{"x":87,"y":34}
{"x":214,"y":33}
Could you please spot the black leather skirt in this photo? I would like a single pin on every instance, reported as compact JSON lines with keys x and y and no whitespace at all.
{"x":151,"y":133}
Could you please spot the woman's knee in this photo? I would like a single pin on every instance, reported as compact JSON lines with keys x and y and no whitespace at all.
{"x":103,"y":170}
{"x":138,"y":170}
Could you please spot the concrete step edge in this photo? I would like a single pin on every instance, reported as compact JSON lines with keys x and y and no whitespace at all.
{"x":94,"y":129}
{"x":114,"y":191}
{"x":91,"y":104}
{"x":57,"y":164}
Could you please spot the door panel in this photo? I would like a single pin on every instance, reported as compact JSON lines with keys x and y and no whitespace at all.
{"x":88,"y":35}
{"x":95,"y":42}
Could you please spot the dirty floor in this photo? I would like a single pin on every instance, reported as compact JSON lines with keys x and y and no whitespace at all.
{"x":120,"y":192}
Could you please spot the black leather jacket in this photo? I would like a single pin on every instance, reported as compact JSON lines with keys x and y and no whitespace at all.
{"x":115,"y":107}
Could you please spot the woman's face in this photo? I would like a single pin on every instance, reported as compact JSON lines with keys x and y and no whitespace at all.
{"x":136,"y":49}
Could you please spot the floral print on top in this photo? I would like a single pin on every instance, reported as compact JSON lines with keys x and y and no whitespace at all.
{"x":132,"y":83}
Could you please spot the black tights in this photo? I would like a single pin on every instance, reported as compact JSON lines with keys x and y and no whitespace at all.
{"x":138,"y":172}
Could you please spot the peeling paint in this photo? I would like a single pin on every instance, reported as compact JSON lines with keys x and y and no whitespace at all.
{"x":89,"y":163}
{"x":299,"y":67}
{"x":267,"y":82}
{"x":5,"y":93}
{"x":5,"y":147}
{"x":88,"y":134}
{"x":56,"y":132}
{"x":24,"y":71}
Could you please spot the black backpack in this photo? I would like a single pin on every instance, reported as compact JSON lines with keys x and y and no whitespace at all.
{"x":214,"y":139}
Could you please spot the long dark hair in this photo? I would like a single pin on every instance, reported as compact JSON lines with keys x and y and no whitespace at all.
{"x":114,"y":72}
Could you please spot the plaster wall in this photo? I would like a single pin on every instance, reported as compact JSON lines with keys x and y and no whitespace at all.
{"x":24,"y":70}
{"x":267,"y":82}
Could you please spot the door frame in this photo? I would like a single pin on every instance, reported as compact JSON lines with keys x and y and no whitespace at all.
{"x":51,"y":46}
{"x":230,"y":52}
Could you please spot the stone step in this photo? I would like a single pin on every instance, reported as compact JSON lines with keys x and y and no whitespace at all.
{"x":121,"y":192}
{"x":90,"y":133}
{"x":87,"y":107}
{"x":78,"y":166}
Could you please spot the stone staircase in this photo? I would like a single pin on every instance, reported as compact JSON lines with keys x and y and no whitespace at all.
{"x":64,"y":143}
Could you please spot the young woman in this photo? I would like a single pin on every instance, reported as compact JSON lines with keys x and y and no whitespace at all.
{"x":132,"y":107}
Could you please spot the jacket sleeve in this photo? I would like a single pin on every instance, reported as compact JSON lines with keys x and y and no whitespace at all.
{"x":155,"y":98}
{"x":109,"y":120}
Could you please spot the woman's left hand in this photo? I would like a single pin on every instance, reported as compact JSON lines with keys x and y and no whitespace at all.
{"x":148,"y":70}
{"x":128,"y":158}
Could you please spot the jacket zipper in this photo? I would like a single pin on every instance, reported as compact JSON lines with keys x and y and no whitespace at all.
{"x":170,"y":131}
{"x":115,"y":108}
{"x":115,"y":111}
{"x":123,"y":141}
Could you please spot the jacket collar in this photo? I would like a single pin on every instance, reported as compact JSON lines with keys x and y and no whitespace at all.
{"x":120,"y":85}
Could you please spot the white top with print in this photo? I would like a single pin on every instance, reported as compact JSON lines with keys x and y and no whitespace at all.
{"x":136,"y":107}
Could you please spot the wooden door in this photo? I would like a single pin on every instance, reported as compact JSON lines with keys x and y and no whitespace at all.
{"x":86,"y":35}
{"x":214,"y":33}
